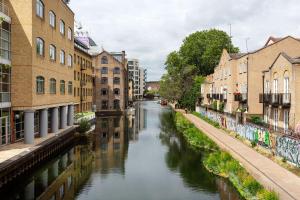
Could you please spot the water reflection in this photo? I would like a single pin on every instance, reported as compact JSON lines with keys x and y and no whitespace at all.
{"x":140,"y":156}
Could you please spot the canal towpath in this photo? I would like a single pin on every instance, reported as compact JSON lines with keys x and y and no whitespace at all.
{"x":267,"y":172}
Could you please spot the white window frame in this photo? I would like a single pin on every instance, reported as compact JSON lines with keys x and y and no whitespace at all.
{"x":62,"y":57}
{"x":62,"y":27}
{"x":52,"y":52}
{"x":70,"y":32}
{"x":286,"y":119}
{"x":40,"y":46}
{"x":275,"y":122}
{"x":70,"y":60}
{"x":40,"y":8}
{"x":52,"y":19}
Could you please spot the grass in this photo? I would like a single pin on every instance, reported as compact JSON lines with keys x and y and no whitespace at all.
{"x":222,"y":163}
{"x":208,"y":120}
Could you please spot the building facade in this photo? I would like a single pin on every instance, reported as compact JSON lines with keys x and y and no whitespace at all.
{"x":139,"y":77}
{"x":42,"y":67}
{"x":110,"y":82}
{"x":5,"y":74}
{"x":83,"y":78}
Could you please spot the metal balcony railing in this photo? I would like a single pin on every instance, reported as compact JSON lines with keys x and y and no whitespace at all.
{"x":264,"y":98}
{"x":241,"y":97}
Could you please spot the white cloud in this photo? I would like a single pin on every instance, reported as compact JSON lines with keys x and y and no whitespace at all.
{"x":149,"y":30}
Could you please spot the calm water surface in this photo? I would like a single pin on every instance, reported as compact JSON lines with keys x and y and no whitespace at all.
{"x":126,"y":158}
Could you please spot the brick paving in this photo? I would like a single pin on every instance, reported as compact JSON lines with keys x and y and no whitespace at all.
{"x":267,"y":172}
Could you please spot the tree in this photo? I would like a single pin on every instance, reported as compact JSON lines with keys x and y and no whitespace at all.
{"x":204,"y":49}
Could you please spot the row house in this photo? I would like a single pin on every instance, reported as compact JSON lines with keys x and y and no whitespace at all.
{"x":280,"y":94}
{"x":237,"y":81}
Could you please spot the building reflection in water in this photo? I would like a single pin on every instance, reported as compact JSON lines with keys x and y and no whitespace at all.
{"x":137,"y":122}
{"x":103,"y":152}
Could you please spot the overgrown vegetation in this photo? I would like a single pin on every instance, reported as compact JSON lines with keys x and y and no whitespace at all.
{"x":196,"y":58}
{"x":84,"y":126}
{"x":256,"y":120}
{"x":222,"y":163}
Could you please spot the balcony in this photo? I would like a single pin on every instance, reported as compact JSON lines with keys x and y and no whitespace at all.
{"x":209,"y":96}
{"x":286,"y":100}
{"x":264,"y":98}
{"x":216,"y":96}
{"x":240,"y":97}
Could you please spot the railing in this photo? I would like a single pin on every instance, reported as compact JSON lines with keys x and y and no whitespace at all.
{"x":4,"y":8}
{"x":264,"y":98}
{"x":283,"y":99}
{"x":5,"y":97}
{"x":241,"y":97}
{"x":286,"y":100}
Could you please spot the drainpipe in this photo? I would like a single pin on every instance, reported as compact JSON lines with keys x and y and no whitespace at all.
{"x":248,"y":83}
{"x":263,"y":93}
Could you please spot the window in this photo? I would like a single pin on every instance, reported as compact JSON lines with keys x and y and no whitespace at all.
{"x":104,"y":60}
{"x":117,"y":122}
{"x":104,"y":70}
{"x":52,"y":86}
{"x":70,"y":32}
{"x":104,"y":80}
{"x":62,"y":87}
{"x":40,"y":46}
{"x":70,"y":88}
{"x":116,"y":135}
{"x":116,"y":80}
{"x":70,"y":60}
{"x":286,"y":119}
{"x":267,"y":87}
{"x":52,"y":19}
{"x":116,"y":104}
{"x":5,"y":39}
{"x":275,"y":82}
{"x":104,"y":105}
{"x":40,"y":8}
{"x":275,"y":119}
{"x":52,"y":52}
{"x":117,"y":70}
{"x":117,"y":91}
{"x":62,"y":27}
{"x":40,"y":85}
{"x":62,"y":57}
{"x":104,"y":91}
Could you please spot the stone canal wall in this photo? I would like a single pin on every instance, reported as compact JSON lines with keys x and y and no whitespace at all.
{"x":283,"y":146}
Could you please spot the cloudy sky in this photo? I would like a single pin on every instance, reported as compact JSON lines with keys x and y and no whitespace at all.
{"x":150,"y":29}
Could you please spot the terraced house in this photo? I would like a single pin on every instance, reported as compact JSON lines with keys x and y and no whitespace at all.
{"x":110,"y":91}
{"x":280,"y":94}
{"x":42,"y":67}
{"x":237,"y":82}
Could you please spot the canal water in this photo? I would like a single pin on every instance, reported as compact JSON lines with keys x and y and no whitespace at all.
{"x":136,"y":157}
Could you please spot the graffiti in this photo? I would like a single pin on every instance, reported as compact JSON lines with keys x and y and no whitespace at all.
{"x":289,"y":149}
{"x":248,"y":131}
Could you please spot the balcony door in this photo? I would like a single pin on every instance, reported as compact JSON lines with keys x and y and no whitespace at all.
{"x":286,"y":119}
{"x":275,"y":119}
{"x":286,"y":90}
{"x":275,"y":86}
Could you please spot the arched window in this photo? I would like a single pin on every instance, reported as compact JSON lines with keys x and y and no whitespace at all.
{"x":116,"y":80}
{"x":52,"y":86}
{"x":62,"y":87}
{"x":62,"y":27}
{"x":104,"y":60}
{"x":62,"y":57}
{"x":117,"y":91}
{"x":117,"y":70}
{"x":52,"y":19}
{"x":70,"y":60}
{"x":40,"y":46}
{"x":40,"y":85}
{"x":70,"y":87}
{"x":116,"y":104}
{"x":52,"y":52}
{"x":104,"y":70}
{"x":40,"y":8}
{"x":70,"y":33}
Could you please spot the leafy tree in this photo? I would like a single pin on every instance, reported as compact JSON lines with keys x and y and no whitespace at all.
{"x":204,"y":48}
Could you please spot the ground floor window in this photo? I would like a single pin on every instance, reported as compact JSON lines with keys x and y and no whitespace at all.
{"x":286,"y":119}
{"x":275,"y":120}
{"x":19,"y":125}
{"x":104,"y":105}
{"x":5,"y":130}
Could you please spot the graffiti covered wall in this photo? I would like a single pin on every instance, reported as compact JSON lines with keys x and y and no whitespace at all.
{"x":289,"y":149}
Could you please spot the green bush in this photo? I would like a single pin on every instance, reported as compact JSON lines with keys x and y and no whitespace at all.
{"x":215,"y":105}
{"x":268,"y":195}
{"x":84,"y":126}
{"x":256,"y":120}
{"x":221,"y":107}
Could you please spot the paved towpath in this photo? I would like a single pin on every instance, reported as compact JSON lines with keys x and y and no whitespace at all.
{"x":267,"y":172}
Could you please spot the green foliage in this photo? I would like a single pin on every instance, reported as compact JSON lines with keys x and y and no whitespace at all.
{"x":197,"y":57}
{"x":221,"y":107}
{"x":194,"y":136}
{"x":203,"y":49}
{"x":84,"y":126}
{"x":215,"y":105}
{"x":253,"y":144}
{"x":222,"y":163}
{"x":256,"y":120}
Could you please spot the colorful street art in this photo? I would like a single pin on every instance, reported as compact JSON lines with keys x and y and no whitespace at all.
{"x":289,"y":149}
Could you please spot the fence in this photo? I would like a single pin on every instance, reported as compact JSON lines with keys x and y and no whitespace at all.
{"x":284,"y":146}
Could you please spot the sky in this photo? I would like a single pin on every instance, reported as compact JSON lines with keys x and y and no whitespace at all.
{"x":150,"y":29}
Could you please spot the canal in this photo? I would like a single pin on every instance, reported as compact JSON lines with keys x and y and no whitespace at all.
{"x":128,"y":158}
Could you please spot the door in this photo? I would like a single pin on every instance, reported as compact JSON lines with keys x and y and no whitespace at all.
{"x":4,"y":130}
{"x":286,"y":90}
{"x":286,"y":119}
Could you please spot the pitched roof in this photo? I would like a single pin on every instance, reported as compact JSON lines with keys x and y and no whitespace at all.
{"x":236,"y":55}
{"x":272,"y":39}
{"x":287,"y":57}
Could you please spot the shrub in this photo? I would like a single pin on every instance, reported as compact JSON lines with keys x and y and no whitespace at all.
{"x":267,"y":195}
{"x":253,"y":144}
{"x":221,"y":107}
{"x":256,"y":120}
{"x":252,"y":185}
{"x":84,"y":126}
